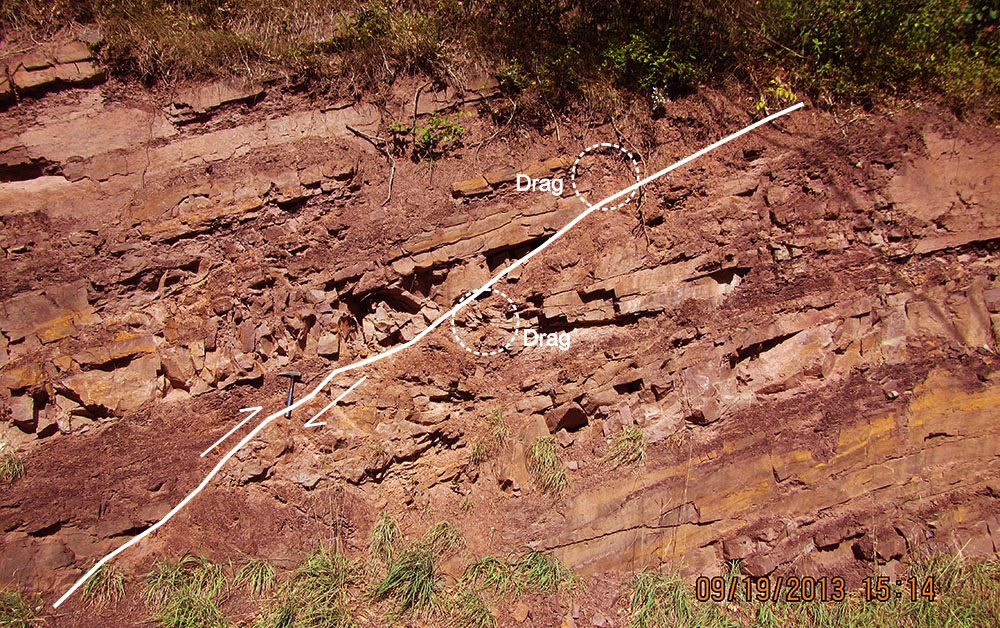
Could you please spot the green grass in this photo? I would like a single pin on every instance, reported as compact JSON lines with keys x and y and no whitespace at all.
{"x":498,"y":429}
{"x":478,"y":454}
{"x":11,"y":466}
{"x":966,"y":597}
{"x":413,"y":583}
{"x":470,"y":611}
{"x":15,"y":611}
{"x":385,"y":537}
{"x":530,"y":572}
{"x":441,"y":538}
{"x":544,"y":465}
{"x":105,"y":587}
{"x":257,"y":575}
{"x":187,"y":592}
{"x":629,"y":448}
{"x":315,"y":596}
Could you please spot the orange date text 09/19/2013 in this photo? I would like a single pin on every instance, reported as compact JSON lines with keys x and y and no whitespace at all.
{"x":810,"y":589}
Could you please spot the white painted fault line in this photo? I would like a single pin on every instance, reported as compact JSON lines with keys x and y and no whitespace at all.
{"x":420,"y":336}
{"x":253,"y":412}
{"x":313,"y":423}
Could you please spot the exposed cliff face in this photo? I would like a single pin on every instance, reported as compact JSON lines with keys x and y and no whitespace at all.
{"x":804,"y":325}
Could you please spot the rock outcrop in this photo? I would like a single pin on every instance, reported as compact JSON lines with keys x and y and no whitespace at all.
{"x":804,"y":329}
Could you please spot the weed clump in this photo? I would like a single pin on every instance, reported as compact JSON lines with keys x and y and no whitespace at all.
{"x":385,"y":537}
{"x":471,"y":612}
{"x":544,"y":464}
{"x":498,"y":429}
{"x":413,"y":582}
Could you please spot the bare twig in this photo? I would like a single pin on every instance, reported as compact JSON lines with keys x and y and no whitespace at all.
{"x":622,"y":140}
{"x":377,"y":143}
{"x":416,"y":101}
{"x":479,"y":145}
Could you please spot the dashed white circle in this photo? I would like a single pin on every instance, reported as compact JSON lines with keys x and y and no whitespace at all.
{"x":602,"y":145}
{"x":506,"y":345}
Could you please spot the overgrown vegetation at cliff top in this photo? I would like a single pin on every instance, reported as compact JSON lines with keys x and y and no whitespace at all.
{"x":553,"y":51}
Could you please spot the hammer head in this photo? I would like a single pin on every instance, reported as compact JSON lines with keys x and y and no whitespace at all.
{"x":292,"y":374}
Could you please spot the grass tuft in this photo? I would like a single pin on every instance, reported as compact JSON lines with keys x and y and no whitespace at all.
{"x":15,"y":611}
{"x":412,"y":582}
{"x":629,"y":448}
{"x":385,"y":537}
{"x":441,"y":539}
{"x":531,"y":572}
{"x":317,"y":594}
{"x":187,"y":592}
{"x":471,"y":612}
{"x":544,"y":464}
{"x":498,"y":429}
{"x":478,"y":454}
{"x":257,"y":575}
{"x":105,"y":587}
{"x":11,"y":466}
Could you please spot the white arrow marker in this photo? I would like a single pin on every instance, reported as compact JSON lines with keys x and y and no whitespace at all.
{"x":312,"y":422}
{"x":253,"y":412}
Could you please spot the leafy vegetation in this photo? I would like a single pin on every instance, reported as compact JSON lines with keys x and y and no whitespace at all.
{"x":428,"y":139}
{"x":543,"y":463}
{"x":629,"y":447}
{"x":550,"y":52}
{"x":15,"y":611}
{"x":965,"y":597}
{"x":11,"y":466}
{"x":105,"y":587}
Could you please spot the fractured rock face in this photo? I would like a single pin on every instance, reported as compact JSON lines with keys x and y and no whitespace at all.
{"x":48,"y":315}
{"x":120,"y":390}
{"x":197,"y":103}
